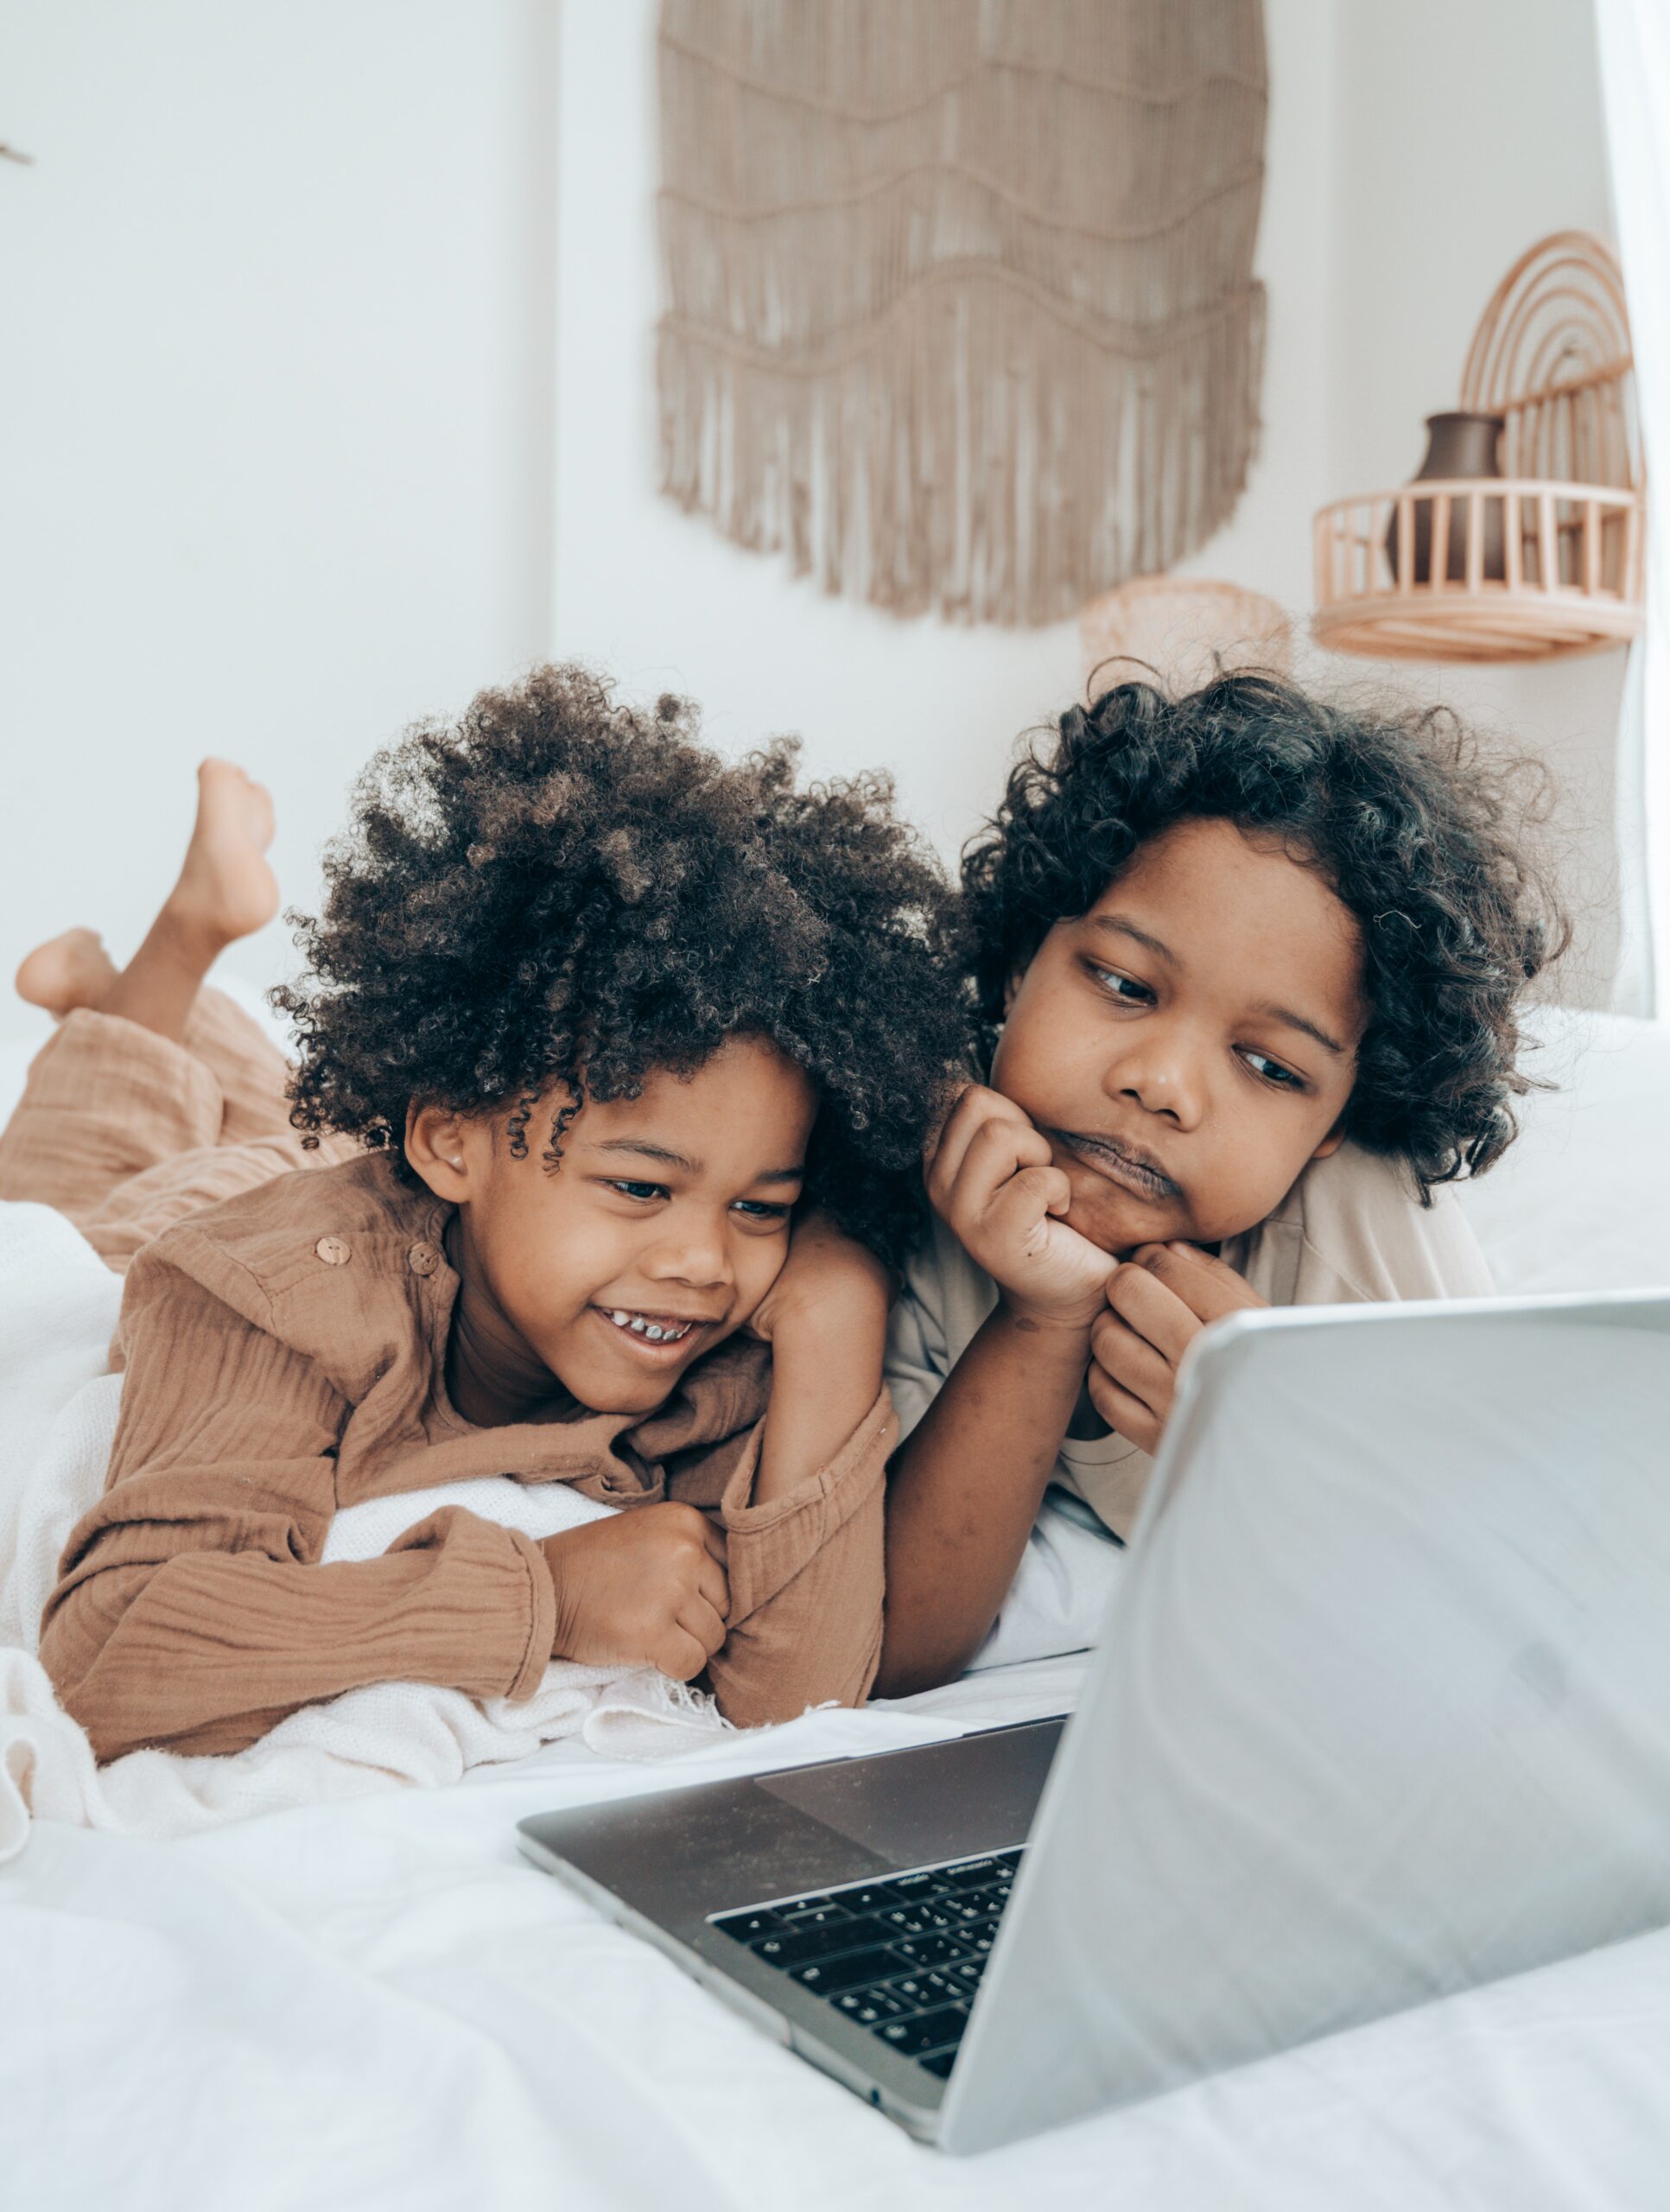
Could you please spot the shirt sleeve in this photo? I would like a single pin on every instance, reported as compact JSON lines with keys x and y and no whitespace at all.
{"x":806,"y":1573}
{"x":191,"y":1612}
{"x":919,"y":1357}
{"x":1367,"y":1238}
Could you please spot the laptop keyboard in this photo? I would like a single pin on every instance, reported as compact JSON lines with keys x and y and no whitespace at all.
{"x":901,"y":1957}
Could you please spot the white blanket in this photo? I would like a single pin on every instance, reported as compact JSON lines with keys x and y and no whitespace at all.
{"x":379,"y":2004}
{"x":58,"y":1408}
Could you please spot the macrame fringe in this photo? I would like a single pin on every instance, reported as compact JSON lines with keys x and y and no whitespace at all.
{"x":959,"y":306}
{"x":1052,"y":472}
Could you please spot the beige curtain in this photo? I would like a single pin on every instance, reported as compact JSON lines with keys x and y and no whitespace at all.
{"x":959,"y":308}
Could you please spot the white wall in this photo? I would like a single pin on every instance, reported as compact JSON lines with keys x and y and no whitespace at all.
{"x":1413,"y":152}
{"x":1469,"y":129}
{"x":277,"y":394}
{"x":663,"y":601}
{"x":659,"y":597}
{"x":276,"y":391}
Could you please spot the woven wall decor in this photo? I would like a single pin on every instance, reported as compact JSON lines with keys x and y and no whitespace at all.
{"x":959,"y":310}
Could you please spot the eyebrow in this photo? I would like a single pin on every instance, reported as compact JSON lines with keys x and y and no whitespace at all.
{"x":1118,"y":927}
{"x":645,"y":1150}
{"x":1292,"y":1020}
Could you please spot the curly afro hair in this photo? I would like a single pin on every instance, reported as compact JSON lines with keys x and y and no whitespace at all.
{"x":563,"y":889}
{"x":1417,"y":834}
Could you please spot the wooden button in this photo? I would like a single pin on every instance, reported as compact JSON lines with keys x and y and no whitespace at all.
{"x":423,"y":1259}
{"x":334,"y":1251}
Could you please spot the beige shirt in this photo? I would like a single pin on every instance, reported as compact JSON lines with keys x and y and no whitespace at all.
{"x":1351,"y":1232}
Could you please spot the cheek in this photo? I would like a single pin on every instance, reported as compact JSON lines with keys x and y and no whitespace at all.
{"x":1251,"y":1173}
{"x":549,"y":1256}
{"x":1042,"y":1061}
{"x":756,"y":1268}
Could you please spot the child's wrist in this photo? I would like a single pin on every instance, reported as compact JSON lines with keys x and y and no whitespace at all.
{"x":1058,"y":1327}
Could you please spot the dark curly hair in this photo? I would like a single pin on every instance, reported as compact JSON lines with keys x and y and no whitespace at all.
{"x":561,"y":886}
{"x":1421,"y":837}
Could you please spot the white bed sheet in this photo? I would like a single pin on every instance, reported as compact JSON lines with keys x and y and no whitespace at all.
{"x":380,"y":2004}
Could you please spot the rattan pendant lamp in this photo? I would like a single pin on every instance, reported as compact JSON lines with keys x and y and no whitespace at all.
{"x":1523,"y":538}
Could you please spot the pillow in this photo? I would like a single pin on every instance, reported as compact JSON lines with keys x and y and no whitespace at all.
{"x":1581,"y":1201}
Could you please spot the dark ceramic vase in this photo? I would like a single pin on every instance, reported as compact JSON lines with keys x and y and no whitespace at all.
{"x":1458,"y":445}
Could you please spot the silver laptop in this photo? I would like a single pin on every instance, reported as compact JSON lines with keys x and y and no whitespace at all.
{"x":1381,"y":1710}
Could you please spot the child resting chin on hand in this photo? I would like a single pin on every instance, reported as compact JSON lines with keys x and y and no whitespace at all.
{"x":622,"y":1060}
{"x":1251,"y":968}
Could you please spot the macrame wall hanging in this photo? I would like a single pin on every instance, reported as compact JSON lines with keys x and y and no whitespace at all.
{"x":959,"y":304}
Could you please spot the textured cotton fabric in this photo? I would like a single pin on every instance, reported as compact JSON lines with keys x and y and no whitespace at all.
{"x":1351,"y":1232}
{"x":285,"y":1353}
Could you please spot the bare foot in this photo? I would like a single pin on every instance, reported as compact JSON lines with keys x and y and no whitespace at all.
{"x":67,"y":972}
{"x":225,"y":888}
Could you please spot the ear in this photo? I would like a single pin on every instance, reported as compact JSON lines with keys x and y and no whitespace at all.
{"x":441,"y":1147}
{"x":1332,"y":1143}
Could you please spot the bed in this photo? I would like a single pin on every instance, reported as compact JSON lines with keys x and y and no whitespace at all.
{"x":378,"y":2002}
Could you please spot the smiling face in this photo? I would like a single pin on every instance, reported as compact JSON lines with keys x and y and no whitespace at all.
{"x":657,"y":1237}
{"x":1190,"y":1043}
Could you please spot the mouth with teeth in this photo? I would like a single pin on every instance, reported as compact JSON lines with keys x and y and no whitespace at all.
{"x":650,"y":1332}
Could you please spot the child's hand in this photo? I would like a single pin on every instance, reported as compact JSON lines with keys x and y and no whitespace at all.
{"x":993,"y":1182}
{"x":644,"y":1588}
{"x":829,"y":1282}
{"x":1158,"y":1303}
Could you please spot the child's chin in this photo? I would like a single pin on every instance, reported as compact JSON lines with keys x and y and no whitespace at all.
{"x":1119,"y":1224}
{"x":623,"y":1394}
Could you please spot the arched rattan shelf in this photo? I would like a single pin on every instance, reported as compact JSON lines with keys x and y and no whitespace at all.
{"x":1545,"y":561}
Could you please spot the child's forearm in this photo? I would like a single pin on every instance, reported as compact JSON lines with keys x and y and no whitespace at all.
{"x":826,"y":1376}
{"x":964,"y":1490}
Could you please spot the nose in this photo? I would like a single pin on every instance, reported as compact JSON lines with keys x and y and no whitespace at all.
{"x":693,"y":1250}
{"x":1162,"y":1070}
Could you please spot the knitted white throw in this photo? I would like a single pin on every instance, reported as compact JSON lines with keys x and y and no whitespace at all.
{"x":58,"y":1408}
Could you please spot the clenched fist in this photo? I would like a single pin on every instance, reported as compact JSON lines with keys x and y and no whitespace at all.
{"x":1156,"y":1304}
{"x":993,"y":1181}
{"x":643,"y":1588}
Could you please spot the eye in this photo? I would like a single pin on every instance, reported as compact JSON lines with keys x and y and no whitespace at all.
{"x":762,"y":1209}
{"x":1125,"y":990}
{"x":642,"y":1192}
{"x":1269,"y":1071}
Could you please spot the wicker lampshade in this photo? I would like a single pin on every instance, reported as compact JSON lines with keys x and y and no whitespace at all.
{"x":1184,"y":630}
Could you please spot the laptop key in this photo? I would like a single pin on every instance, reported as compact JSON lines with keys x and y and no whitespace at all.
{"x":976,"y":1874}
{"x":922,"y":1919}
{"x":925,"y":2032}
{"x":795,"y":1946}
{"x":744,"y":1926}
{"x":940,"y":2062}
{"x":929,"y":1950}
{"x":868,"y":2006}
{"x":903,"y":1887}
{"x":871,"y":1899}
{"x":828,"y":1977}
{"x":968,"y":1973}
{"x":921,"y":1992}
{"x":812,"y":1912}
{"x":941,"y":1987}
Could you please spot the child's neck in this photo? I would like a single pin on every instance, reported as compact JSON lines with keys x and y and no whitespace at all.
{"x":493,"y":1379}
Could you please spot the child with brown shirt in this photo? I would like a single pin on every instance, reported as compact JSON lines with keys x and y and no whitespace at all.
{"x":615,"y":1067}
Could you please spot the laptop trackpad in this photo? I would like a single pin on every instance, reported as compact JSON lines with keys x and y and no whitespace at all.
{"x":941,"y":1800}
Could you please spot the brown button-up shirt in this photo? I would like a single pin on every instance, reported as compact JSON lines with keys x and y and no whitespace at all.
{"x":285,"y":1355}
